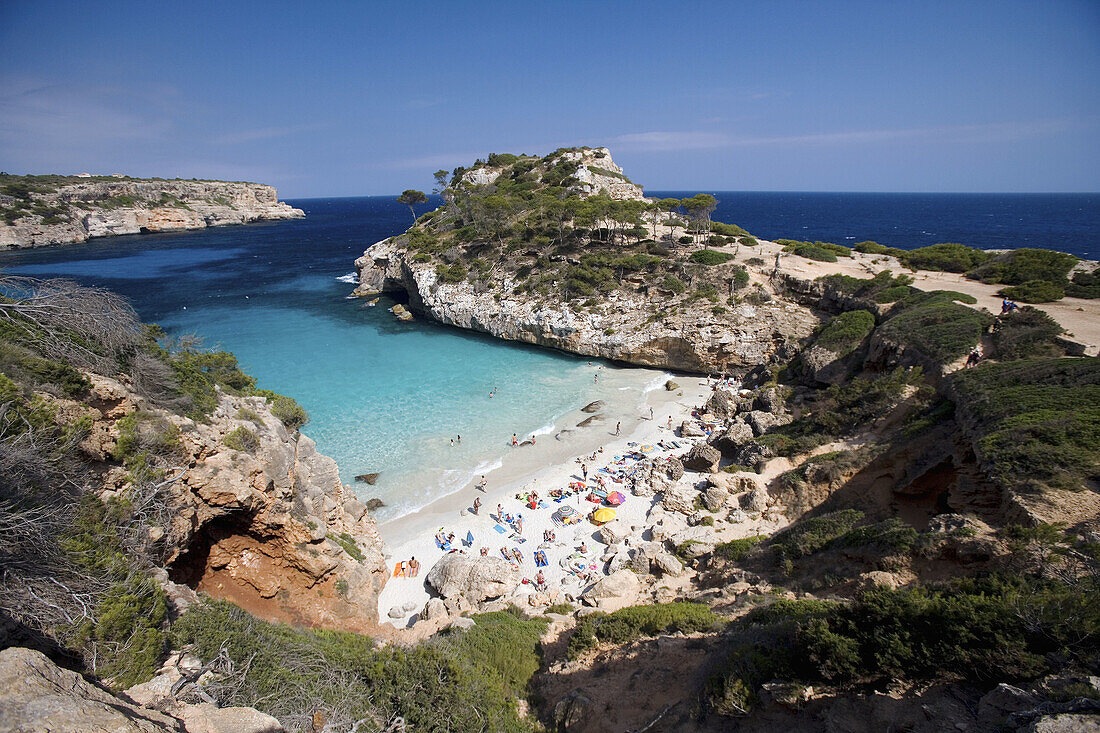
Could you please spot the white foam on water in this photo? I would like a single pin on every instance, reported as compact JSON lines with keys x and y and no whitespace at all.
{"x":351,"y":277}
{"x":545,"y":429}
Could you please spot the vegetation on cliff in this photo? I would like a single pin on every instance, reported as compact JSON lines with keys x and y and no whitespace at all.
{"x":77,"y":569}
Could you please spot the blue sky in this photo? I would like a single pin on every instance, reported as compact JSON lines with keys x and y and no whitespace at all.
{"x":354,"y":98}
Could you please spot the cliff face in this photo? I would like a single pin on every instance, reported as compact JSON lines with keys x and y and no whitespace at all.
{"x":272,"y":530}
{"x":696,"y":339}
{"x":77,"y":211}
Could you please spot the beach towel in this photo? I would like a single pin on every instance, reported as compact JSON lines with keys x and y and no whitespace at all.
{"x":399,"y":569}
{"x":469,"y":539}
{"x":500,"y":529}
{"x":540,"y":559}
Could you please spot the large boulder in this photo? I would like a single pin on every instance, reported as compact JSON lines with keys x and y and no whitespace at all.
{"x":457,"y":576}
{"x":688,"y":429}
{"x":715,"y":498}
{"x":618,"y":590}
{"x":702,"y":457}
{"x":572,"y":712}
{"x":679,"y":499}
{"x":1003,"y":700}
{"x":756,"y":501}
{"x":675,"y":468}
{"x":720,"y":404}
{"x":769,"y":400}
{"x":753,"y":454}
{"x":614,"y":532}
{"x":37,"y":696}
{"x":730,"y":440}
{"x":761,"y":422}
{"x":668,"y":563}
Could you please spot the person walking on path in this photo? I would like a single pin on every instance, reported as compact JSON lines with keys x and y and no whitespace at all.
{"x":651,"y":413}
{"x":481,"y":483}
{"x":618,"y":425}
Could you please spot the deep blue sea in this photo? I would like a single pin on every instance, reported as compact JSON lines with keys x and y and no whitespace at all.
{"x":1066,"y":222}
{"x":386,"y":396}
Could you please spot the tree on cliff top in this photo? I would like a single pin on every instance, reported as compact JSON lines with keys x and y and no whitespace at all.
{"x":411,"y":197}
{"x":699,"y":207}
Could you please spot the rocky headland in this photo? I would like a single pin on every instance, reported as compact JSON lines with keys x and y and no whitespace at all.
{"x":42,"y":210}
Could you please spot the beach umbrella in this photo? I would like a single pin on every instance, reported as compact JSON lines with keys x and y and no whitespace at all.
{"x":615,"y":498}
{"x":603,"y":515}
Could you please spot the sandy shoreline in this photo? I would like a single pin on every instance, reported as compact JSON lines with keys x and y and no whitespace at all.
{"x":547,"y":465}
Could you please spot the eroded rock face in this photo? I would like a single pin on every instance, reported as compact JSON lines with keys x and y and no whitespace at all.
{"x":208,"y":203}
{"x":458,"y":577}
{"x":272,"y":530}
{"x":702,"y":457}
{"x":37,"y":696}
{"x":617,"y":590}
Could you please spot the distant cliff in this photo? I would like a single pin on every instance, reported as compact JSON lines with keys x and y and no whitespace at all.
{"x":43,"y":210}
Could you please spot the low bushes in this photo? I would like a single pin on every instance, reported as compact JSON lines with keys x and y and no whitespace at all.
{"x":814,"y":533}
{"x":1019,"y":266}
{"x":846,"y":331}
{"x":1037,"y":422}
{"x":243,"y":439}
{"x":874,"y":248}
{"x":1025,"y":333}
{"x":1034,"y":291}
{"x":631,"y":623}
{"x":935,"y":325}
{"x":727,"y":230}
{"x":975,"y":631}
{"x":709,"y":257}
{"x":455,"y":681}
{"x":945,"y":257}
{"x":735,"y":550}
{"x":1084,"y":285}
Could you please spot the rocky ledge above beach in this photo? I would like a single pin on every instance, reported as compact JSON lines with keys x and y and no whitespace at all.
{"x":43,"y":210}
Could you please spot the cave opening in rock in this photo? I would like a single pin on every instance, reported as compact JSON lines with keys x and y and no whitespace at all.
{"x":193,"y":563}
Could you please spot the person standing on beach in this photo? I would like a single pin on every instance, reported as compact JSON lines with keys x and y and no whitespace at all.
{"x":514,"y":441}
{"x":618,"y":425}
{"x":481,"y":483}
{"x":500,"y":512}
{"x":651,"y":413}
{"x":584,"y":471}
{"x":477,"y":505}
{"x":670,"y":422}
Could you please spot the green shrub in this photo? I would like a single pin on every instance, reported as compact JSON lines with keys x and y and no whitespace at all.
{"x":709,"y":257}
{"x":286,"y":410}
{"x":1025,"y":333}
{"x":1037,"y":422}
{"x":1084,"y":285}
{"x":348,"y":544}
{"x":727,"y":230}
{"x":1020,"y":266}
{"x":891,"y":535}
{"x":251,"y":415}
{"x":846,"y":331}
{"x":740,"y":278}
{"x":936,"y":326}
{"x":973,"y":631}
{"x":812,"y":534}
{"x":562,"y":608}
{"x":145,"y":432}
{"x":874,"y":248}
{"x":673,"y":283}
{"x":633,"y":622}
{"x":736,"y":550}
{"x":946,"y":257}
{"x":685,"y":239}
{"x":454,"y":273}
{"x":755,"y":261}
{"x":749,"y":241}
{"x":454,"y":681}
{"x":807,"y":250}
{"x":421,"y":257}
{"x":243,"y":439}
{"x":1034,"y":291}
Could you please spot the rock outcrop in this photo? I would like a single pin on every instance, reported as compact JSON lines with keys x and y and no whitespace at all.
{"x":271,"y":529}
{"x":694,"y":336}
{"x":37,"y":696}
{"x":472,"y":580}
{"x":103,"y":207}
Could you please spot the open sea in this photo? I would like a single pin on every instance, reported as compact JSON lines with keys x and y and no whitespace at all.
{"x":388,"y":397}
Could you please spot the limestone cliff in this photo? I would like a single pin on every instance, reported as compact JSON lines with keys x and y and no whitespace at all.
{"x":565,"y":252}
{"x":271,"y":529}
{"x":44,"y":210}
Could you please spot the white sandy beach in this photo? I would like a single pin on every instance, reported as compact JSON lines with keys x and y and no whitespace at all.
{"x":550,"y":464}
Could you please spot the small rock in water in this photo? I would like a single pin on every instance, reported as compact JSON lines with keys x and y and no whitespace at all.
{"x":375,"y":503}
{"x":368,"y":478}
{"x":593,"y":406}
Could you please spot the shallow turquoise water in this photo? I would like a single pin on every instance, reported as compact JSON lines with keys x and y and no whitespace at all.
{"x":383,"y":396}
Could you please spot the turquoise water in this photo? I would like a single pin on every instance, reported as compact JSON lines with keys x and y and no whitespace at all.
{"x":383,"y":396}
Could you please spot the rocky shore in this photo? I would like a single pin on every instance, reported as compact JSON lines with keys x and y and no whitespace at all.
{"x":74,"y":211}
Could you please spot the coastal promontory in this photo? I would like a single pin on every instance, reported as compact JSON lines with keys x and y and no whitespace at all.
{"x":53,"y":209}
